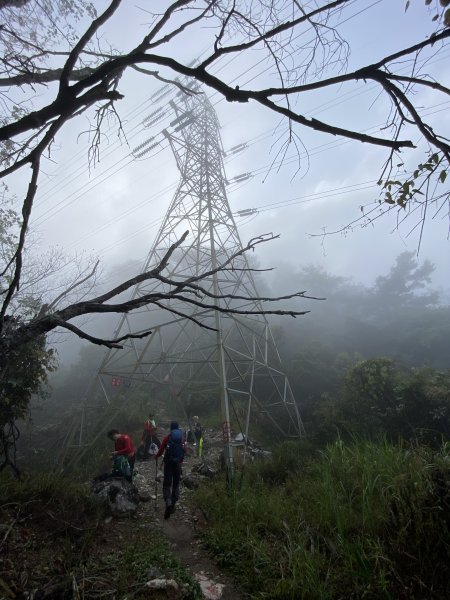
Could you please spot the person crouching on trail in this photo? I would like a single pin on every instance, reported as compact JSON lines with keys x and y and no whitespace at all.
{"x":174,"y":448}
{"x":123,"y":455}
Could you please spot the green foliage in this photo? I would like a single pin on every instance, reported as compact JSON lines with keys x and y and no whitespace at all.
{"x":23,"y":372}
{"x":371,"y":394}
{"x":47,"y":488}
{"x":409,"y":403}
{"x":444,"y":16}
{"x":57,"y":535}
{"x":378,"y":397}
{"x":23,"y":375}
{"x":403,"y":192}
{"x":286,"y":459}
{"x":363,"y":520}
{"x":138,"y":562}
{"x":61,"y":514}
{"x":403,"y":286}
{"x":9,"y":223}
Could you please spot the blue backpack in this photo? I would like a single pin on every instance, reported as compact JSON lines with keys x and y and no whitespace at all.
{"x":174,"y":449}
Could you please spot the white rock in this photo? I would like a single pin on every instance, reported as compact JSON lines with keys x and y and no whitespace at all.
{"x":162,"y":584}
{"x":210,"y":589}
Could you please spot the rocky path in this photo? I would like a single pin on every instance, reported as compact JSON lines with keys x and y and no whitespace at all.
{"x":181,"y":530}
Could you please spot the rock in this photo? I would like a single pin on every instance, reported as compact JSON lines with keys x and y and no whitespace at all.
{"x":210,"y":589}
{"x":145,"y":497}
{"x":138,"y":479}
{"x":204,"y":469}
{"x":190,"y":482}
{"x":159,"y":588}
{"x":120,"y":496}
{"x":162,"y":584}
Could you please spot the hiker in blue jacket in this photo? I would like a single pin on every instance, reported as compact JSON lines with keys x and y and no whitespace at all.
{"x":174,"y":448}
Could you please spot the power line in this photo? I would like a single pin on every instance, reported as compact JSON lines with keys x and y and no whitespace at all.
{"x":155,"y":96}
{"x":102,"y":176}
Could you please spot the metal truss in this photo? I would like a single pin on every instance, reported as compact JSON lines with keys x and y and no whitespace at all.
{"x":239,"y":360}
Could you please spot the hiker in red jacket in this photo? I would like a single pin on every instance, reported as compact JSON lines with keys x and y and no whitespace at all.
{"x":149,"y":437}
{"x":174,"y":448}
{"x":123,"y":447}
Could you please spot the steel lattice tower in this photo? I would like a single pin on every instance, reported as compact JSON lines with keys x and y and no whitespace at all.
{"x":238,"y":360}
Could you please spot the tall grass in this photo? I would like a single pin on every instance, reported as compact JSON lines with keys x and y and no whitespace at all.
{"x":46,"y":488}
{"x":359,"y":520}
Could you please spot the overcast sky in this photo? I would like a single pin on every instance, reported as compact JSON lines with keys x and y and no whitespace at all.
{"x":115,"y":209}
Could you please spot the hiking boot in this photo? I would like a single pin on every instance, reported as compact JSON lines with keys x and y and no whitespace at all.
{"x":167,"y":512}
{"x":172,"y":509}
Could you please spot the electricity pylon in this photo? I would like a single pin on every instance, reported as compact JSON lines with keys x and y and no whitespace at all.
{"x":237,"y":357}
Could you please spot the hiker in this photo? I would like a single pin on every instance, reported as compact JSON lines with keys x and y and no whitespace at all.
{"x":198,"y":435}
{"x":149,"y":442}
{"x":123,"y":455}
{"x":174,"y":448}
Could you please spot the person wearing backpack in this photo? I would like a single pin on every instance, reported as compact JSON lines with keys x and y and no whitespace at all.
{"x":123,"y":455}
{"x":174,"y":447}
{"x":149,"y":439}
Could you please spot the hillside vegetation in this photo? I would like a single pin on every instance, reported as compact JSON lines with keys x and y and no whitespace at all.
{"x":364,"y":519}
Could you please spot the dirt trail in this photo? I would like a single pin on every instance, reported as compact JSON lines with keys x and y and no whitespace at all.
{"x":181,"y":530}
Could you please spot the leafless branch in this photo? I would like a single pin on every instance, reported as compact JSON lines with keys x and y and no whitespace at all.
{"x":95,"y":340}
{"x":75,"y":285}
{"x":47,"y":321}
{"x":85,"y":38}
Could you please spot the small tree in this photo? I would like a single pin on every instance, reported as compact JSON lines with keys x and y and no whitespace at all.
{"x":23,"y":373}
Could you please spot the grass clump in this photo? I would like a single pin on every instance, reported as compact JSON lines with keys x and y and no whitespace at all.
{"x":130,"y":567}
{"x":49,"y":524}
{"x":358,"y":520}
{"x":57,"y":544}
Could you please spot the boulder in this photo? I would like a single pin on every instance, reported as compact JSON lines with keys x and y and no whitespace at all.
{"x":204,"y":469}
{"x":120,"y":496}
{"x":190,"y":482}
{"x":210,"y":589}
{"x":145,"y":496}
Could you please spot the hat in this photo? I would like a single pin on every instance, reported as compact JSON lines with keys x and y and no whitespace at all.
{"x":173,"y":425}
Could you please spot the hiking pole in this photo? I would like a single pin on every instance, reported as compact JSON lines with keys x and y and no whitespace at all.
{"x":156,"y":484}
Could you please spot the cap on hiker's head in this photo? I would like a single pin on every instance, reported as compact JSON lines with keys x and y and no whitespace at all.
{"x":173,"y":425}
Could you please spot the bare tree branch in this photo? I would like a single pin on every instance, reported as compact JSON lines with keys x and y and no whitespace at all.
{"x":46,"y":321}
{"x":95,"y":340}
{"x":71,"y":288}
{"x":46,"y":76}
{"x":85,"y":38}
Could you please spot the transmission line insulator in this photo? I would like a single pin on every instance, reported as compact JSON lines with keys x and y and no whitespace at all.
{"x":162,"y":94}
{"x":144,"y":152}
{"x":238,"y":148}
{"x":185,"y":115}
{"x":151,"y":122}
{"x":146,"y":143}
{"x":242,"y":177}
{"x":246,"y":211}
{"x":153,"y":114}
{"x":159,"y":92}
